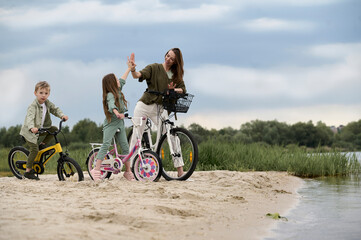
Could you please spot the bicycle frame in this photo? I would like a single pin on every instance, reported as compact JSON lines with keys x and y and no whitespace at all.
{"x":48,"y":153}
{"x":163,"y":122}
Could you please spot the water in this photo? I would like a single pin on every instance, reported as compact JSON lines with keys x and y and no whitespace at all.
{"x":330,"y":208}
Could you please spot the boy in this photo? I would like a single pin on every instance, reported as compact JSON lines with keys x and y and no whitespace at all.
{"x":38,"y":116}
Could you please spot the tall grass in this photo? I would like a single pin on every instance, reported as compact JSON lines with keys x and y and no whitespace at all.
{"x":241,"y":157}
{"x":261,"y":157}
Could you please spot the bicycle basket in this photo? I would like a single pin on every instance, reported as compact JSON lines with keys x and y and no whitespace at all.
{"x":180,"y":104}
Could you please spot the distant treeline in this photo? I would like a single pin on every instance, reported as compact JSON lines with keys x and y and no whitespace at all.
{"x":257,"y":131}
{"x":282,"y":134}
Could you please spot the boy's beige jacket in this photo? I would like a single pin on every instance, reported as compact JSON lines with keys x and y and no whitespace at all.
{"x":34,"y":116}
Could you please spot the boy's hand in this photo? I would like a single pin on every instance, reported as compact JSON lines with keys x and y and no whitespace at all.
{"x":34,"y":130}
{"x":65,"y":118}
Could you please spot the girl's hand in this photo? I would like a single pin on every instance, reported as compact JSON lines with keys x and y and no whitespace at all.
{"x":65,"y":118}
{"x":131,"y":65}
{"x":117,"y":114}
{"x":120,"y":115}
{"x":34,"y":130}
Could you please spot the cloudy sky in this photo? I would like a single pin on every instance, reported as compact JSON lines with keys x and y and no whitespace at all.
{"x":285,"y":60}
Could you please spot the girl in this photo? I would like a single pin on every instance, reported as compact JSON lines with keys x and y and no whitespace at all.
{"x":114,"y":105}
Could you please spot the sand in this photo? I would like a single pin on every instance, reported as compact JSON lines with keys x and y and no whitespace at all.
{"x":212,"y":205}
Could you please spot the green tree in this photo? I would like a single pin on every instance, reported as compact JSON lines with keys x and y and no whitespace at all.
{"x":12,"y":136}
{"x":200,"y":134}
{"x":270,"y":132}
{"x":86,"y":131}
{"x":351,"y":134}
{"x":304,"y":134}
{"x":2,"y":134}
{"x":323,"y":134}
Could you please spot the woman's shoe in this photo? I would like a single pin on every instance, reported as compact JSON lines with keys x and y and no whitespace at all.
{"x":95,"y":174}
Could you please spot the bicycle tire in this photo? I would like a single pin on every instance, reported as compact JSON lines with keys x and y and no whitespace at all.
{"x":189,"y":154}
{"x":18,"y":156}
{"x":69,"y":170}
{"x":152,"y":166}
{"x":90,"y":164}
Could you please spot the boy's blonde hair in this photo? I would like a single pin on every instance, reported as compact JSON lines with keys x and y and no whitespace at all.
{"x":42,"y":84}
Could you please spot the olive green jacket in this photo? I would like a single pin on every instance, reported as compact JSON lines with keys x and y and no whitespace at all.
{"x":34,"y":116}
{"x":157,"y":80}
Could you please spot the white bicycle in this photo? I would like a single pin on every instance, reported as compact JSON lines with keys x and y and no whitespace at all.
{"x":174,"y":145}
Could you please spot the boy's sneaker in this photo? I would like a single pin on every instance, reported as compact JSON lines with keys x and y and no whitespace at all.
{"x":31,"y":175}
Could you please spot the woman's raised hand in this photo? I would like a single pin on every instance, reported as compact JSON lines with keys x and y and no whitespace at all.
{"x":131,"y":63}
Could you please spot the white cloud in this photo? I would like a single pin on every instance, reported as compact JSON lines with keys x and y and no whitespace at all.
{"x":289,"y":82}
{"x":331,"y":115}
{"x":14,"y":86}
{"x":267,"y":3}
{"x":335,"y":51}
{"x":124,"y":13}
{"x":272,"y":25}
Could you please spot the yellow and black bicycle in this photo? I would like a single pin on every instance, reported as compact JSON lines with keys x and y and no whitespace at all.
{"x":67,"y":169}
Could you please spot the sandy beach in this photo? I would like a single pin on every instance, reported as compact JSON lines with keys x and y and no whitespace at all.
{"x":212,"y":205}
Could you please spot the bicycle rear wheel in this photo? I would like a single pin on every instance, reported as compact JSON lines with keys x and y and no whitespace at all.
{"x":186,"y":154}
{"x":69,"y":170}
{"x":149,"y":168}
{"x":17,"y":159}
{"x":90,"y":164}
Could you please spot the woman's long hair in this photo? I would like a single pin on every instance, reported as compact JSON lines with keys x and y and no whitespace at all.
{"x":110,"y":85}
{"x":177,"y":67}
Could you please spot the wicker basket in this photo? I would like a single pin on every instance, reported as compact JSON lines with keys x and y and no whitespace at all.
{"x":180,"y":103}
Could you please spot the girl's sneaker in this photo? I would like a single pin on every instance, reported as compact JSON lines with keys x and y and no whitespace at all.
{"x":129,"y":176}
{"x":95,"y":174}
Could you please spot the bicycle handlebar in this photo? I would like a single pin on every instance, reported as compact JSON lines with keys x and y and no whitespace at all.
{"x":171,"y":93}
{"x":43,"y":130}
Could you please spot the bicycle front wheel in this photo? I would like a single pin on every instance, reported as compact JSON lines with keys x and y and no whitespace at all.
{"x":185,"y":154}
{"x":69,"y":170}
{"x":17,"y":159}
{"x":149,"y":168}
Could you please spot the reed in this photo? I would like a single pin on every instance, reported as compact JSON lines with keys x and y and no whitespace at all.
{"x":261,"y":157}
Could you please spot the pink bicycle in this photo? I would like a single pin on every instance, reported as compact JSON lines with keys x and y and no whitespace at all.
{"x":146,"y":164}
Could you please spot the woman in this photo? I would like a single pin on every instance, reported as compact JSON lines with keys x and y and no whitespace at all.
{"x":159,"y":77}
